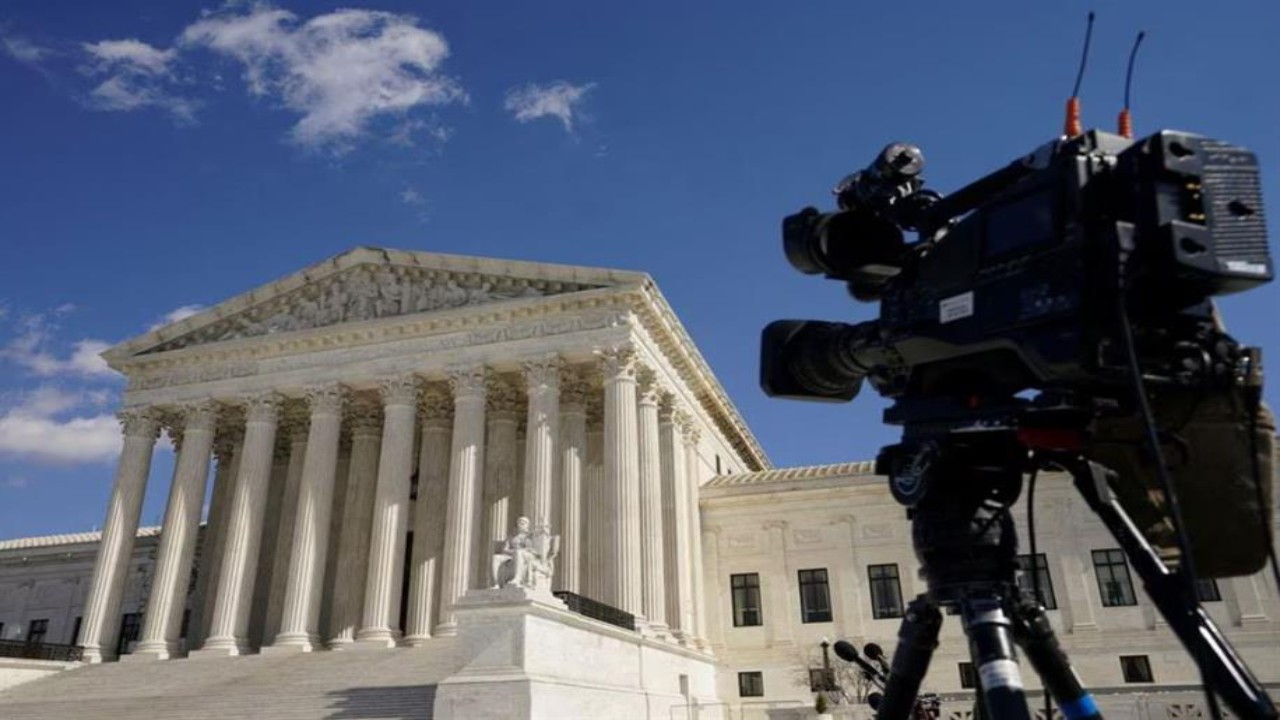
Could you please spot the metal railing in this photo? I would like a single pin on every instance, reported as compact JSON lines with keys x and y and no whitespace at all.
{"x":40,"y":651}
{"x":597,"y":610}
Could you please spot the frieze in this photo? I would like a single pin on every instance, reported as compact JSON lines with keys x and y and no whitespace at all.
{"x":367,"y":292}
{"x":211,"y":371}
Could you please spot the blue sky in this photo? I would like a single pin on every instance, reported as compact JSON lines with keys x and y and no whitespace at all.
{"x":162,"y":155}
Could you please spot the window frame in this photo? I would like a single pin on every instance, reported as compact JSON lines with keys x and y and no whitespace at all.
{"x":1107,"y":559}
{"x":815,"y":615}
{"x":968,"y":675}
{"x":130,"y":631}
{"x":1139,"y":663}
{"x":37,"y":631}
{"x":739,"y":594}
{"x":878,"y":612}
{"x":1046,"y":597}
{"x":750,"y":676}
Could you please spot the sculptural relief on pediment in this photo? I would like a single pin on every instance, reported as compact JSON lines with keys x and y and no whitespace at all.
{"x":367,"y":292}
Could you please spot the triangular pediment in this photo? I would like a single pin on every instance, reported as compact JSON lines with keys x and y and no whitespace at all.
{"x":370,"y":284}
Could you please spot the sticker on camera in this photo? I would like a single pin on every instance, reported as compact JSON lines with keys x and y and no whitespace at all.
{"x":955,"y":308}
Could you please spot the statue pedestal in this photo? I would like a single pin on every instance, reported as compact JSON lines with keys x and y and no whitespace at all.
{"x":526,"y":656}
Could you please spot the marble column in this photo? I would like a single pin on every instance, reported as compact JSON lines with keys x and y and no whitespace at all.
{"x":384,"y":580}
{"x":353,"y":546}
{"x":227,"y":446}
{"x":429,"y":517}
{"x":541,"y":428}
{"x":691,"y":437}
{"x":501,"y":449}
{"x":308,"y":549}
{"x":573,"y":456}
{"x":594,"y":522}
{"x":101,"y":626}
{"x":177,"y":547}
{"x":621,"y":482}
{"x":675,"y":520}
{"x":265,"y":562}
{"x":283,"y":552}
{"x":229,"y":633}
{"x":654,"y":592}
{"x":466,"y":467}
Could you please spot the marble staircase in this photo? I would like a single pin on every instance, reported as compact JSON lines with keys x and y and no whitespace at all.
{"x":397,"y":684}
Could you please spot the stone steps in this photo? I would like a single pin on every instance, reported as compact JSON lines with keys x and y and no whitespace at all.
{"x":365,"y":683}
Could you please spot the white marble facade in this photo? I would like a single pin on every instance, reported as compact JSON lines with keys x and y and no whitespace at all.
{"x":567,"y":395}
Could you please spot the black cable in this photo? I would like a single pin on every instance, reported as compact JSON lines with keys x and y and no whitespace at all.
{"x":1128,"y":75}
{"x":1035,"y":567}
{"x":1187,"y":564}
{"x":1084,"y":57}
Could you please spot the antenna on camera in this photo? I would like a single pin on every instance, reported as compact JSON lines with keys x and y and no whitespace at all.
{"x":1126,"y":120}
{"x":1073,"y":125}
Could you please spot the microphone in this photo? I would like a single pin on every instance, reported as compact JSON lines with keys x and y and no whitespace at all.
{"x":847,"y":652}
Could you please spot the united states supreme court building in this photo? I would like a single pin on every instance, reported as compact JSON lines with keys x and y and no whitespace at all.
{"x":453,"y":487}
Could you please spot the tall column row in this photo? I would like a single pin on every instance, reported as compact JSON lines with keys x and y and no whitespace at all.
{"x":604,"y":461}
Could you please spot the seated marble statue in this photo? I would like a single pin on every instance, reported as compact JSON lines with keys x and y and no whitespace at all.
{"x":526,"y":559}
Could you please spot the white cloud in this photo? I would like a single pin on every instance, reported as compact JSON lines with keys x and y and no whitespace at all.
{"x":23,"y":50}
{"x":558,"y":100}
{"x":32,"y":349}
{"x":177,"y":315}
{"x":138,"y":76}
{"x":410,"y":196}
{"x":31,"y":429}
{"x":340,"y":71}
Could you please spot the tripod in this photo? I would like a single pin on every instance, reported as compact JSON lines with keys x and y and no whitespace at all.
{"x":959,"y":487}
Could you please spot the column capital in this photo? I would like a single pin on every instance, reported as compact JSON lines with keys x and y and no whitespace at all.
{"x":400,"y":390}
{"x":327,"y":399}
{"x":366,"y":419}
{"x":197,"y":414}
{"x":435,"y":404}
{"x":688,"y":429}
{"x":503,"y":394}
{"x":543,"y":372}
{"x":575,"y":386}
{"x":647,"y":384}
{"x":263,"y":407}
{"x":468,"y":381}
{"x":228,"y":437}
{"x":668,"y":407}
{"x":617,"y":362}
{"x":143,"y":422}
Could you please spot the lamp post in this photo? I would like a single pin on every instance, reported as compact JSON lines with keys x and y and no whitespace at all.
{"x":828,"y":680}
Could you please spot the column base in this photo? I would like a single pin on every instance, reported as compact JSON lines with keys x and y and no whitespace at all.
{"x":220,"y":647}
{"x":288,"y":643}
{"x":375,"y":638}
{"x":416,"y":640}
{"x":91,"y":655}
{"x":446,"y":629}
{"x":150,"y":651}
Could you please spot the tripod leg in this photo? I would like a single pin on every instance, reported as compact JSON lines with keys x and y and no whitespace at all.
{"x":1031,"y":630}
{"x":991,"y":645}
{"x":917,"y":638}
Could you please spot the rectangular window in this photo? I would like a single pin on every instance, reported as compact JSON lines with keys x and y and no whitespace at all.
{"x":1136,"y":669}
{"x":1023,"y":577}
{"x":36,"y":630}
{"x":815,"y":596}
{"x":886,"y":592}
{"x":1207,"y":590}
{"x":751,"y":684}
{"x":1114,"y":584}
{"x":746,"y":599}
{"x":968,"y":676}
{"x":130,"y":628}
{"x":75,"y":631}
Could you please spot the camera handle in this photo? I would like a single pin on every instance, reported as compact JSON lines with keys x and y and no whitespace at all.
{"x":1226,"y":673}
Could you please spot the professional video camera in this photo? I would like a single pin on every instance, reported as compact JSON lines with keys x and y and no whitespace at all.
{"x":1054,"y":314}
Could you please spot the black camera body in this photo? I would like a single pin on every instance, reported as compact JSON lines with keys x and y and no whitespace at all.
{"x":1016,"y":279}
